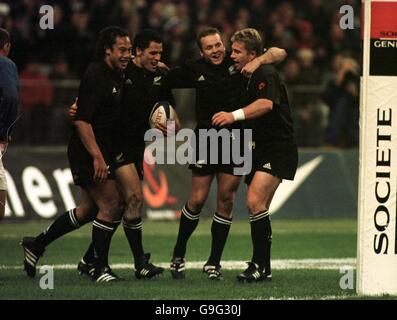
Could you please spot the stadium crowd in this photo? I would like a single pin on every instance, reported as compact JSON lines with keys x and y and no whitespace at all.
{"x":321,"y":71}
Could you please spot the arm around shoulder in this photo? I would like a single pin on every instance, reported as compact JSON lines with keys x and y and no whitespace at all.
{"x":272,"y":55}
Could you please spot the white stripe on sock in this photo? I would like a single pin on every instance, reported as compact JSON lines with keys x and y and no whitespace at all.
{"x":259,"y":216}
{"x":190,"y":216}
{"x":73,"y":218}
{"x":221,"y":220}
{"x":102,"y":226}
{"x":133,"y":226}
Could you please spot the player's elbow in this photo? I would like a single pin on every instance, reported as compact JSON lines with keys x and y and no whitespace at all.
{"x":77,"y":124}
{"x":283,"y":54}
{"x":278,"y":54}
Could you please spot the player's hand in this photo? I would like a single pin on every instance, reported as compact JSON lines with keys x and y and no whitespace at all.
{"x":73,"y":109}
{"x":3,"y":146}
{"x":222,"y":119}
{"x":250,"y":67}
{"x":101,"y":170}
{"x":162,"y":128}
{"x":162,"y":65}
{"x":168,"y":130}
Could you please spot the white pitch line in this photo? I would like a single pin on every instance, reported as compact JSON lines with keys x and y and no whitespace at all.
{"x":283,"y":264}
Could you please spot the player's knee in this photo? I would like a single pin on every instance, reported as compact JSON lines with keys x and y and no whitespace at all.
{"x":133,"y":207}
{"x":255,"y":205}
{"x":225,"y":203}
{"x":113,"y":209}
{"x":196,"y":203}
{"x":85,"y":214}
{"x":135,"y":200}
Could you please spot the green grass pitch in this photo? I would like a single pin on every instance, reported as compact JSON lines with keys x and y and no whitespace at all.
{"x":294,"y":241}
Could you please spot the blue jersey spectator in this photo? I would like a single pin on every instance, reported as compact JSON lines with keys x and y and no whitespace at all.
{"x":9,"y":98}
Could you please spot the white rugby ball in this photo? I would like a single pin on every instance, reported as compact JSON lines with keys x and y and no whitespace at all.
{"x":161,"y":112}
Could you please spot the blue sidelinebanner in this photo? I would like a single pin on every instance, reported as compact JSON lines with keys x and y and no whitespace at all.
{"x":40,"y":187}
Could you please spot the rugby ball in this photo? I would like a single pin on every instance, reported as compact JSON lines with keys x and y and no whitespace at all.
{"x":161,"y":112}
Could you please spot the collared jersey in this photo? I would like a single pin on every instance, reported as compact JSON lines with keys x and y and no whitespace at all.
{"x":217,"y":87}
{"x":9,"y":95}
{"x":265,"y":83}
{"x":142,"y":89}
{"x":99,"y":99}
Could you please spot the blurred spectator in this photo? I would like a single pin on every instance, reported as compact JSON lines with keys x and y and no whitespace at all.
{"x":308,"y":113}
{"x":81,"y":38}
{"x":201,"y":11}
{"x":242,"y":19}
{"x":291,"y":71}
{"x":36,"y":99}
{"x":309,"y":72}
{"x":259,"y":14}
{"x":317,"y":15}
{"x":309,"y":31}
{"x":63,"y":95}
{"x":306,"y":38}
{"x":342,"y":97}
{"x":155,"y":19}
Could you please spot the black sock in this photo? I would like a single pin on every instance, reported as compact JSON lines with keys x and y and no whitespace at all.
{"x":187,"y":225}
{"x":133,"y":232}
{"x":102,"y":232}
{"x":219,"y":230}
{"x":261,"y":239}
{"x":63,"y":224}
{"x":89,"y":256}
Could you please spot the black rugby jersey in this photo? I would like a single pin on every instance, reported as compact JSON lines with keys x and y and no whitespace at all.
{"x":142,"y":89}
{"x":99,"y":99}
{"x":265,"y":83}
{"x":217,"y":87}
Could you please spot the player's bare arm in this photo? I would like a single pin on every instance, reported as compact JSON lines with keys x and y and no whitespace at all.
{"x":254,"y":110}
{"x":87,"y":137}
{"x":272,"y":55}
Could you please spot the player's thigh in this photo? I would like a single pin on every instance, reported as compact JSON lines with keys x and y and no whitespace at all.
{"x":128,"y":182}
{"x":261,"y":190}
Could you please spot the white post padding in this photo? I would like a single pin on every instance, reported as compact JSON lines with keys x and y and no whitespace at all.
{"x":377,"y":211}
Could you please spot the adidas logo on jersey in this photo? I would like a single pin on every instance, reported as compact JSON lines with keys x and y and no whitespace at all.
{"x":201,"y":78}
{"x":128,"y":81}
{"x":267,"y":166}
{"x":156,"y":81}
{"x":114,"y":90}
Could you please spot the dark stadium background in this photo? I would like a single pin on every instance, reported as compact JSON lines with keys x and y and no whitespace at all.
{"x":321,"y":71}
